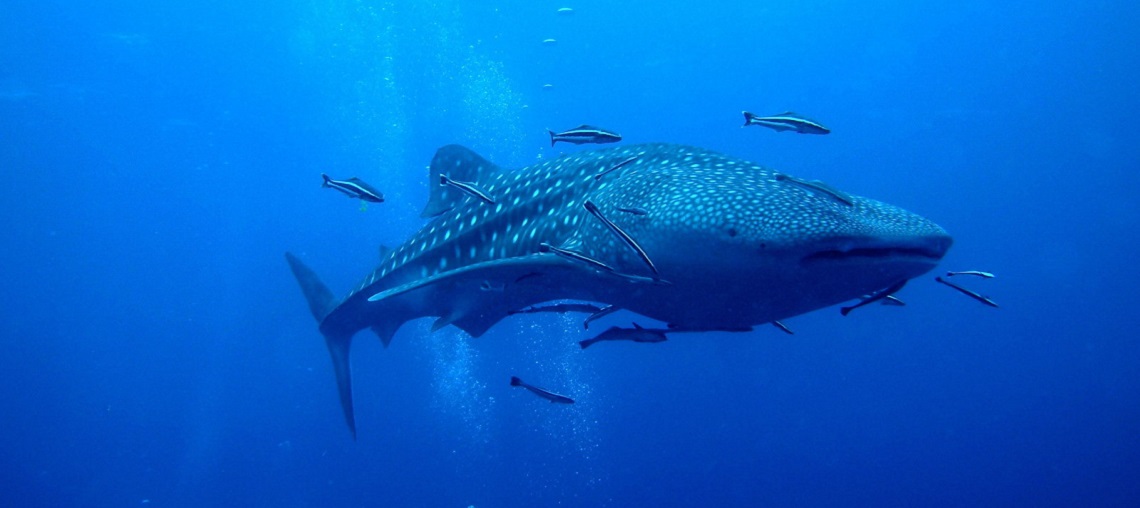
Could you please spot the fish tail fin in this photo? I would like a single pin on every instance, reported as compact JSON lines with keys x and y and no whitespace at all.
{"x":326,"y":179}
{"x":552,"y":134}
{"x":585,"y":343}
{"x":338,"y":349}
{"x":515,"y":381}
{"x":748,"y":118}
{"x":320,"y":299}
{"x":321,"y":302}
{"x":846,"y":310}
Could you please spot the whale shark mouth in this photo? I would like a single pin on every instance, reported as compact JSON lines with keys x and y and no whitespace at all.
{"x":876,"y":253}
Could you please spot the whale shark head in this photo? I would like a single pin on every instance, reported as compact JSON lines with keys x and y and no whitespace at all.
{"x":692,"y":238}
{"x":740,"y":245}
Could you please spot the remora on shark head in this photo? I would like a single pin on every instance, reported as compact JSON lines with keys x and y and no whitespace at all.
{"x":738,"y":247}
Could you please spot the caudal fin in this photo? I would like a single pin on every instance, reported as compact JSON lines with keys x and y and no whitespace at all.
{"x":321,"y":303}
{"x":748,"y":118}
{"x":516,"y":381}
{"x":338,"y":350}
{"x":552,"y":137}
{"x":326,"y":178}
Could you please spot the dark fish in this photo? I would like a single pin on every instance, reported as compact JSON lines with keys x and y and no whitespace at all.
{"x":817,"y":186}
{"x":968,"y":293}
{"x":783,"y":327}
{"x":574,"y":256}
{"x":354,"y":188}
{"x":633,"y":211}
{"x":560,"y":308}
{"x":615,"y":167}
{"x":546,"y":394}
{"x":976,"y":273}
{"x":786,"y":121}
{"x":635,"y":334}
{"x":584,"y":134}
{"x":609,"y":309}
{"x":593,"y":209}
{"x":878,"y":295}
{"x":466,"y":187}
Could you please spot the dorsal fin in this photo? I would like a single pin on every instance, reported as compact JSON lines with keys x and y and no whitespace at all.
{"x":461,"y":164}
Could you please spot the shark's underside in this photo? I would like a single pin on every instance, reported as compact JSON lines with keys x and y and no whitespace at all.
{"x":717,"y":243}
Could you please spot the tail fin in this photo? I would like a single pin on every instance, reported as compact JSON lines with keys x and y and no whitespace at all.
{"x":846,"y":310}
{"x":326,"y":178}
{"x":585,"y":343}
{"x":321,"y":303}
{"x":320,"y":299}
{"x":515,"y":381}
{"x":748,"y":118}
{"x":552,"y":134}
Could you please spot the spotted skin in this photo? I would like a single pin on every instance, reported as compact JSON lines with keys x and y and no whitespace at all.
{"x":737,"y":247}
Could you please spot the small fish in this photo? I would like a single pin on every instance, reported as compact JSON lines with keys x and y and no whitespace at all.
{"x":550,"y":42}
{"x":786,"y":121}
{"x":583,"y":134}
{"x":354,"y":188}
{"x":547,"y":86}
{"x":976,"y":273}
{"x":783,"y":327}
{"x":470,"y":189}
{"x":560,"y":308}
{"x":878,"y":295}
{"x":593,"y":209}
{"x":546,"y":394}
{"x":609,"y":309}
{"x":633,"y":211}
{"x":575,"y":256}
{"x":565,"y":11}
{"x":968,"y":293}
{"x":615,"y":167}
{"x":635,"y":334}
{"x":817,"y":186}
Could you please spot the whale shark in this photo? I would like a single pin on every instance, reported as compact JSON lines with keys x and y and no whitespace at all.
{"x":722,"y":245}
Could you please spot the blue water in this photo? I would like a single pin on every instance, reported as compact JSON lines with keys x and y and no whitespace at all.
{"x":158,"y":159}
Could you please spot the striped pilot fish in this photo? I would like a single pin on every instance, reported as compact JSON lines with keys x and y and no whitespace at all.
{"x":584,"y":134}
{"x":786,"y":121}
{"x":354,"y":188}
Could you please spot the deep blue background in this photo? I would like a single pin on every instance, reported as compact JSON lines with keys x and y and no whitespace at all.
{"x":158,"y":159}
